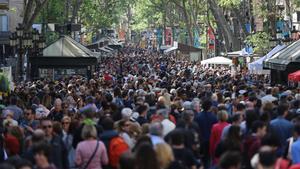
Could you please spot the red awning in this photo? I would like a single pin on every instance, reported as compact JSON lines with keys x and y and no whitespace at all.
{"x":295,"y":77}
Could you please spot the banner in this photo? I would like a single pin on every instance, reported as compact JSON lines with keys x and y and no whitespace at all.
{"x":196,"y":39}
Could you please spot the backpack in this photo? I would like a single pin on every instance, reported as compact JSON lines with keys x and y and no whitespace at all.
{"x":117,"y":146}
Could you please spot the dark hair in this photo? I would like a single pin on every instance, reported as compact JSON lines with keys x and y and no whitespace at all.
{"x":230,"y":159}
{"x":234,"y":133}
{"x":146,"y":157}
{"x":177,"y":137}
{"x":270,"y":139}
{"x":236,"y":118}
{"x":107,"y":123}
{"x":127,"y":161}
{"x":42,"y":147}
{"x":281,"y":109}
{"x":240,"y":107}
{"x":257,"y":125}
{"x":142,"y":140}
{"x":251,"y":116}
{"x":206,"y":105}
{"x":267,"y":157}
{"x":297,"y":128}
{"x":141,"y":108}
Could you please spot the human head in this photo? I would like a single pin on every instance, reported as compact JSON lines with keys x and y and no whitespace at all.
{"x":126,"y":113}
{"x":222,"y":116}
{"x":146,"y":157}
{"x":58,"y":104}
{"x":267,"y":158}
{"x":41,"y":152}
{"x":127,"y":161}
{"x":47,"y":127}
{"x":234,"y":133}
{"x":29,"y":113}
{"x":65,"y":122}
{"x":259,"y":128}
{"x":177,"y":138}
{"x":142,"y":110}
{"x":89,"y":131}
{"x":206,"y":105}
{"x":164,"y":154}
{"x":107,"y":123}
{"x":156,"y":129}
{"x":297,"y":130}
{"x":124,"y":125}
{"x":282,"y":109}
{"x":230,"y":160}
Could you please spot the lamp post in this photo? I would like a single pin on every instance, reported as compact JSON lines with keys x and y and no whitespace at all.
{"x":25,"y":41}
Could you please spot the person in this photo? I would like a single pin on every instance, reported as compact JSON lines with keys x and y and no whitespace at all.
{"x":267,"y":158}
{"x":146,"y":157}
{"x":142,"y":110}
{"x":124,"y":132}
{"x":252,"y":142}
{"x":216,"y":131}
{"x":232,"y":142}
{"x":182,"y":155}
{"x":67,"y":138}
{"x":16,"y":110}
{"x":90,"y":153}
{"x":42,"y":153}
{"x":127,"y":161}
{"x":282,"y":127}
{"x":56,"y":113}
{"x":205,"y":121}
{"x":231,"y":160}
{"x":236,"y":121}
{"x":295,"y":150}
{"x":59,"y":155}
{"x":164,"y":155}
{"x":28,"y":122}
{"x":156,"y":132}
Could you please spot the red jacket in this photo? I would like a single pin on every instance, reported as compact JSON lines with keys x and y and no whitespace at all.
{"x":215,"y":137}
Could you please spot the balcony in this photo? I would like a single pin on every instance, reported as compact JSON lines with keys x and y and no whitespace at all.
{"x":4,"y":4}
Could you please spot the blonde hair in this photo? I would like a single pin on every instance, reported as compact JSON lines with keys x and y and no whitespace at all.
{"x":164,"y":155}
{"x":222,"y":115}
{"x":89,"y":131}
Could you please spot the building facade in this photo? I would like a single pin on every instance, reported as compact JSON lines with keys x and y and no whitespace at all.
{"x":10,"y":16}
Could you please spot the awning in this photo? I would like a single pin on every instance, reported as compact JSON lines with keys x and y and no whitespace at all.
{"x":280,"y":60}
{"x":295,"y":77}
{"x":217,"y":61}
{"x":256,"y":67}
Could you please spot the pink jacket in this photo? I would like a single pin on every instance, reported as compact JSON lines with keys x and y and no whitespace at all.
{"x":85,"y":150}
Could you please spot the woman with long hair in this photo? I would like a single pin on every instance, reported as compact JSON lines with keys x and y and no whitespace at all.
{"x":165,"y":155}
{"x":146,"y":157}
{"x":233,"y":142}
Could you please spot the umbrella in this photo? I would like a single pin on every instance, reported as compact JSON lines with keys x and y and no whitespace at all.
{"x":268,"y":98}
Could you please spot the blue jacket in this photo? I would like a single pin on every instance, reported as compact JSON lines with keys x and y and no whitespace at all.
{"x":282,"y":128}
{"x":205,"y":121}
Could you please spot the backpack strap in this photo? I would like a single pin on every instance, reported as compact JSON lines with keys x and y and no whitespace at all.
{"x":92,"y":156}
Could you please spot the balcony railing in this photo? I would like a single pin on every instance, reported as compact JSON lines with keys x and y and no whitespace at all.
{"x":4,"y":4}
{"x":4,"y":37}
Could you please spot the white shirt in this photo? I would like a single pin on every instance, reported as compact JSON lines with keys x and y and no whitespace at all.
{"x":168,"y":126}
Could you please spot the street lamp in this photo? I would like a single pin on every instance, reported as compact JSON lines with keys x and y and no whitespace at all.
{"x":25,"y":41}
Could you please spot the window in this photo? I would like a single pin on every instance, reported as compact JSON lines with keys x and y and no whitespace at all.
{"x":298,"y":16}
{"x":3,"y":23}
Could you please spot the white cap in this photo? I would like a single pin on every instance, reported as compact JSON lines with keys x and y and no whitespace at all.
{"x":126,"y":112}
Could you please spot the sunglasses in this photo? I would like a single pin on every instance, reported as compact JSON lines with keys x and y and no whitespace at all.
{"x":49,"y":127}
{"x":27,"y":114}
{"x":65,"y":123}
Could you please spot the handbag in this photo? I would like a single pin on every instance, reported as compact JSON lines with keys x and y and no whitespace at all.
{"x":92,"y":156}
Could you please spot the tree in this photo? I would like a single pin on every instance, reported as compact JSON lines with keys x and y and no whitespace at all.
{"x":32,"y":8}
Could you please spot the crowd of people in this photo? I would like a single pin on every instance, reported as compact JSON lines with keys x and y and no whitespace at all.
{"x":146,"y":110}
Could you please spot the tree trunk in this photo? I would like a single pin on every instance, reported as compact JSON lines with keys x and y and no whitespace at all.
{"x":188,"y":23}
{"x":31,"y":12}
{"x":76,"y":7}
{"x":230,"y":39}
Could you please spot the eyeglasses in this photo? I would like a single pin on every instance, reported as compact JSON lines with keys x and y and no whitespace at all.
{"x":27,"y":114}
{"x":49,"y":127}
{"x":65,"y":123}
